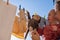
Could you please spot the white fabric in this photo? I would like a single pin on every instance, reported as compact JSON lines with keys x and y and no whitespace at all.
{"x":14,"y":38}
{"x":42,"y":37}
{"x":7,"y":15}
{"x":28,"y":38}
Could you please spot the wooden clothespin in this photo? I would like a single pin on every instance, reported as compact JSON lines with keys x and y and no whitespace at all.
{"x":19,"y":7}
{"x":7,"y":2}
{"x":44,"y":19}
{"x":53,"y":2}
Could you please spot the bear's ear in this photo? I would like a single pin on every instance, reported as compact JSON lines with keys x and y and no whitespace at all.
{"x":39,"y":20}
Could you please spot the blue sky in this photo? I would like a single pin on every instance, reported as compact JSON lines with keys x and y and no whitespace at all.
{"x":41,"y":7}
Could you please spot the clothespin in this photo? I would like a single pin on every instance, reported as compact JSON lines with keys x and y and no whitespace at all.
{"x":44,"y":19}
{"x":7,"y":2}
{"x":53,"y":2}
{"x":44,"y":16}
{"x":23,"y":9}
{"x":19,"y":7}
{"x":35,"y":13}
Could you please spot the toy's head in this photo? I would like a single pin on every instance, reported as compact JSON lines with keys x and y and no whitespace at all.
{"x":37,"y":18}
{"x":51,"y":16}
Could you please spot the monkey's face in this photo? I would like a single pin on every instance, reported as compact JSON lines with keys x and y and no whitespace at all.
{"x":51,"y":16}
{"x":30,"y":28}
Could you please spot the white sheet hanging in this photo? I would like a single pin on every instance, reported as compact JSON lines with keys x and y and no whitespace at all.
{"x":7,"y":14}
